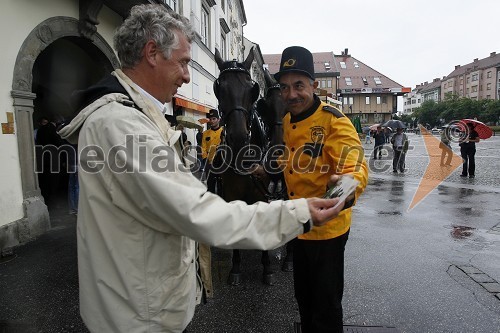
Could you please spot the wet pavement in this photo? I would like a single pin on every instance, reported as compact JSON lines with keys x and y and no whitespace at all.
{"x":434,"y":268}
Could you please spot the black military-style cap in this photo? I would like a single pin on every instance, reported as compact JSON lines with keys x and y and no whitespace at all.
{"x":296,"y":59}
{"x":213,"y":113}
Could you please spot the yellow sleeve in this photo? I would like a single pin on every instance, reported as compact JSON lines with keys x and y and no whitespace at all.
{"x":346,"y":152}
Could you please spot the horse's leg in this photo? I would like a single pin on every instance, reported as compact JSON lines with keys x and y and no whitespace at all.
{"x":288,"y":262}
{"x":267,"y":272}
{"x":234,"y":278}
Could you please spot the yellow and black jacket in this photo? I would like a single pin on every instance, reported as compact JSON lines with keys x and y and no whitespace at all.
{"x":321,"y":142}
{"x":210,"y":140}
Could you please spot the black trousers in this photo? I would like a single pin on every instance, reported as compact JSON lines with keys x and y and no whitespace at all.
{"x":377,"y":151}
{"x":468,"y":156}
{"x":398,"y":161}
{"x":318,"y":273}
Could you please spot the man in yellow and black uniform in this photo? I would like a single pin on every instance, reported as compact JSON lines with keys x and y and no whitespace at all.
{"x":211,"y":139}
{"x":321,"y":142}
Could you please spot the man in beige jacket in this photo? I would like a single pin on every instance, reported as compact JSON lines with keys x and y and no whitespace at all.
{"x":140,"y":210}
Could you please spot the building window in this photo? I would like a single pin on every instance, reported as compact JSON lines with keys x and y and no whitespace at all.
{"x":356,"y":65}
{"x":377,"y":81}
{"x":348,"y":81}
{"x":474,"y":89}
{"x":223,"y":5}
{"x":384,"y":99}
{"x":342,"y":65}
{"x":172,"y":4}
{"x":468,"y":79}
{"x":474,"y":77}
{"x":351,"y":100}
{"x":205,"y":24}
{"x":488,"y":75}
{"x":444,"y":86}
{"x":461,"y":81}
{"x":367,"y":100}
{"x":329,"y":83}
{"x":488,"y":86}
{"x":327,"y":66}
{"x":418,"y":101}
{"x":223,"y":46}
{"x":365,"y":81}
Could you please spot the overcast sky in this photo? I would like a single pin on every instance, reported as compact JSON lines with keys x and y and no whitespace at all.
{"x":408,"y":42}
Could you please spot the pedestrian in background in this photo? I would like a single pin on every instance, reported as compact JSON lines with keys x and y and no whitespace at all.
{"x":379,"y":138}
{"x":468,"y":151}
{"x":400,"y":146}
{"x":211,"y":139}
{"x":368,"y":138}
{"x":446,"y":152}
{"x":136,"y":230}
{"x":318,"y":135}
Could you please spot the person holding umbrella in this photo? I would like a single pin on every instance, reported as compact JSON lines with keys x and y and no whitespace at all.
{"x":468,"y":151}
{"x":400,"y":145}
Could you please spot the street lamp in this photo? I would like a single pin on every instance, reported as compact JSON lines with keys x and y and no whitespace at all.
{"x":413,"y":121}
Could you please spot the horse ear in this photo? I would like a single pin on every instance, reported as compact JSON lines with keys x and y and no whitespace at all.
{"x":218,"y":59}
{"x":248,"y":61}
{"x":270,"y":81}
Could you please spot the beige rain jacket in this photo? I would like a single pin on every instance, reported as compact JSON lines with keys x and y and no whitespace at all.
{"x":140,"y":215}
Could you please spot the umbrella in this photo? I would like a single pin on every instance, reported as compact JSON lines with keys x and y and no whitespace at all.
{"x":188,"y":122}
{"x":366,"y":129}
{"x":374,"y":127}
{"x":483,"y":130}
{"x":394,"y":124}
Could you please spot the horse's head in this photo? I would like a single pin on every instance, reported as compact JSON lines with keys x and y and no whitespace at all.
{"x":271,"y":109}
{"x":236,"y":93}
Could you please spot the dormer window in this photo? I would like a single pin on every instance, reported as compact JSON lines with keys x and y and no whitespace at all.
{"x":327,"y":66}
{"x":365,"y":81}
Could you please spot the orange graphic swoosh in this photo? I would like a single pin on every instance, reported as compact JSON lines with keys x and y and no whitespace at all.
{"x":435,"y":172}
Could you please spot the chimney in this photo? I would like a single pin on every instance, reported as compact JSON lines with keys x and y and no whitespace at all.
{"x":475,"y":60}
{"x":426,"y":83}
{"x":457,"y":66}
{"x":492,"y":54}
{"x":346,"y":51}
{"x":436,"y":80}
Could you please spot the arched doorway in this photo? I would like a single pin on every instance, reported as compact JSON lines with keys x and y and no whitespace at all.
{"x":54,"y":59}
{"x":66,"y":65}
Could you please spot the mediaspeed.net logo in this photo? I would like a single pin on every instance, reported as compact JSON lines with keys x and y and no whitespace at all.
{"x":439,"y":168}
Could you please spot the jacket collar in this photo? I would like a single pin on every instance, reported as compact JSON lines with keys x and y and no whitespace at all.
{"x":307,"y":113}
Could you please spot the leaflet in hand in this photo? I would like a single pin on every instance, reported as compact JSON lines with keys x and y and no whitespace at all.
{"x":342,"y":189}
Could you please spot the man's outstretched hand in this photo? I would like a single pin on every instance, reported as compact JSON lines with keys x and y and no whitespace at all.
{"x":322,"y":210}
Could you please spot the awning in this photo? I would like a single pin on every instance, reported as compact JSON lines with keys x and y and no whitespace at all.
{"x":184,"y":102}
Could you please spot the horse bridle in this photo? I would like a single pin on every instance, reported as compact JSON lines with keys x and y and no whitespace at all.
{"x":255,"y":90}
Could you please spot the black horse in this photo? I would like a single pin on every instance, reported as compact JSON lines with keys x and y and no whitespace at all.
{"x":251,"y":130}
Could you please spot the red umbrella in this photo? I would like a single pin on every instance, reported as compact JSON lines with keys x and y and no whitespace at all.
{"x":483,"y":130}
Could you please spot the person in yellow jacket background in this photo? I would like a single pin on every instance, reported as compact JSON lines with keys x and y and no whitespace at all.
{"x":321,"y":141}
{"x":211,"y":138}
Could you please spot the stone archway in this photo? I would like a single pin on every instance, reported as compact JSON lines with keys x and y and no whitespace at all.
{"x":36,"y":218}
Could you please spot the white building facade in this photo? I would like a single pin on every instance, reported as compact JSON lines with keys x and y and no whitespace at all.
{"x":53,"y":47}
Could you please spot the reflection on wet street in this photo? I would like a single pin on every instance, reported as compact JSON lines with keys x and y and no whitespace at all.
{"x":424,"y":269}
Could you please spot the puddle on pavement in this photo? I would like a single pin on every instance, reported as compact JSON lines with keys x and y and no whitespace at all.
{"x":461,"y":232}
